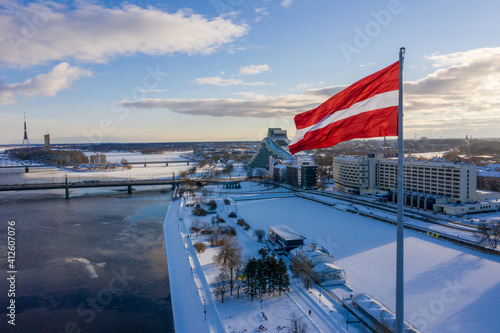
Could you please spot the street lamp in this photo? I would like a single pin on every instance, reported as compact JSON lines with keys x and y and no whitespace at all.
{"x":205,"y":309}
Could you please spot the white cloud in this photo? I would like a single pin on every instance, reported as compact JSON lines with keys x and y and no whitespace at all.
{"x":61,"y":77}
{"x":43,"y":32}
{"x":368,"y":64}
{"x":286,"y":3}
{"x":221,"y":82}
{"x":261,"y":12}
{"x":253,"y":69}
{"x":152,"y":90}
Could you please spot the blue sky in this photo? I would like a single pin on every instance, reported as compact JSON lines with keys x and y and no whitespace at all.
{"x":148,"y":71}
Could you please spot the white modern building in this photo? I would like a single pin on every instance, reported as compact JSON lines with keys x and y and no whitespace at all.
{"x":374,"y":174}
{"x":356,"y":175}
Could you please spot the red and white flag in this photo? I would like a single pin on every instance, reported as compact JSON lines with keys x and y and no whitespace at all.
{"x":366,"y":109}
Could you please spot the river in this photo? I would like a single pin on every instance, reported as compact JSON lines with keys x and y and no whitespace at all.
{"x":93,"y":263}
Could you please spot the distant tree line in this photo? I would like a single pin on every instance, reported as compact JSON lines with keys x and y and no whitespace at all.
{"x":151,"y":150}
{"x":38,"y":153}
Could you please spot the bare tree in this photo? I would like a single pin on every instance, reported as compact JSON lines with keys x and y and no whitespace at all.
{"x":196,"y":226}
{"x":216,"y":231}
{"x":221,"y":285}
{"x":296,"y":324}
{"x":322,"y":186}
{"x":488,"y":232}
{"x":259,"y":233}
{"x":228,"y":169}
{"x":302,"y":267}
{"x":233,"y":264}
{"x":230,"y":257}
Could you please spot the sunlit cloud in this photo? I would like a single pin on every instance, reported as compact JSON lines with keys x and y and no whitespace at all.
{"x":464,"y":92}
{"x":461,"y":93}
{"x":94,"y":34}
{"x":221,"y":82}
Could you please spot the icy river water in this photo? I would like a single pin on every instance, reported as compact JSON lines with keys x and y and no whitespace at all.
{"x":93,"y":263}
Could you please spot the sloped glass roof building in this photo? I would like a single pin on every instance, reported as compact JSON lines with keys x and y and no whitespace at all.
{"x":275,"y":145}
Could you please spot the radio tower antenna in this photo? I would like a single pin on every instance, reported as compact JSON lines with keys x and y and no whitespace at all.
{"x":26,"y":141}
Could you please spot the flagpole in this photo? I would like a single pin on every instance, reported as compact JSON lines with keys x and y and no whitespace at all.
{"x":400,"y":198}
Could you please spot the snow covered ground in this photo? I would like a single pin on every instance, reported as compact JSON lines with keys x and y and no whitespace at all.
{"x":448,"y":288}
{"x":462,"y":232}
{"x":241,"y":314}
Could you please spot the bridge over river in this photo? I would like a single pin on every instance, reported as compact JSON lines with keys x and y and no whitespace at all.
{"x":114,"y":183}
{"x":67,"y":163}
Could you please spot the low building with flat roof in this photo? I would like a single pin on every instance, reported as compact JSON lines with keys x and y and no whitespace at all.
{"x":284,"y":236}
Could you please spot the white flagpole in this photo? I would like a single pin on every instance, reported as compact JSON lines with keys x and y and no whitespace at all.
{"x":400,"y":228}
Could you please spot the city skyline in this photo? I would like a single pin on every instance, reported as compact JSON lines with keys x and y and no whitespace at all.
{"x":227,"y":70}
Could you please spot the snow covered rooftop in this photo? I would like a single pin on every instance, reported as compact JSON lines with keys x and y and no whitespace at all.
{"x":321,"y":267}
{"x":286,"y":232}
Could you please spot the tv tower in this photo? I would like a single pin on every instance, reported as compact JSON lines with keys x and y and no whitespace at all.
{"x":25,"y":139}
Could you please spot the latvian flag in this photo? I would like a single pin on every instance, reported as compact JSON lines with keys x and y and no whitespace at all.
{"x":366,"y":109}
